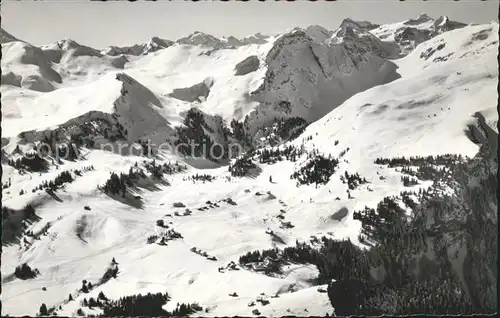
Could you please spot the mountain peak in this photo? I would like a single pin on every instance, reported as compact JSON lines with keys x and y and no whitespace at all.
{"x":154,"y":44}
{"x":200,"y":38}
{"x":424,"y":17}
{"x":365,"y":25}
{"x":6,"y":37}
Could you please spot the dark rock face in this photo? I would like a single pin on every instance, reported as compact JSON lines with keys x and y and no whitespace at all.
{"x":119,"y":62}
{"x":11,"y":79}
{"x":248,"y":65}
{"x":339,"y":215}
{"x":192,"y":93}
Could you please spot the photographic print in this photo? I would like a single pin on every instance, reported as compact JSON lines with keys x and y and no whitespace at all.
{"x":249,"y":158}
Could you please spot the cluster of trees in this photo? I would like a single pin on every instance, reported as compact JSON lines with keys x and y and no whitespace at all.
{"x":183,"y":310}
{"x":28,"y":211}
{"x":409,"y":181}
{"x":428,"y":168}
{"x":152,"y":239}
{"x":118,"y":183}
{"x":397,"y":240}
{"x":67,"y":151}
{"x":137,"y":305}
{"x":84,"y":134}
{"x":202,"y":253}
{"x":158,"y":170}
{"x":283,"y":129}
{"x":271,"y":156}
{"x":53,"y":185}
{"x":343,"y":152}
{"x":317,"y":170}
{"x":7,"y":184}
{"x":448,"y":160}
{"x":353,"y":180}
{"x":430,"y":296}
{"x":258,"y":256}
{"x":238,"y":132}
{"x":290,"y":128}
{"x":149,"y":305}
{"x":384,"y":222}
{"x":194,"y":142}
{"x":86,"y":286}
{"x":168,"y":235}
{"x":171,"y":234}
{"x":83,"y":140}
{"x":335,"y":259}
{"x":24,"y":271}
{"x":92,"y":302}
{"x":408,"y":170}
{"x":406,"y":197}
{"x":431,"y":172}
{"x":200,"y":177}
{"x":13,"y":227}
{"x":355,"y":292}
{"x":78,"y":172}
{"x":241,"y":167}
{"x":29,"y":161}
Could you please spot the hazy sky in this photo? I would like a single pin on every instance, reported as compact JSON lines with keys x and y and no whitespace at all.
{"x":100,"y":24}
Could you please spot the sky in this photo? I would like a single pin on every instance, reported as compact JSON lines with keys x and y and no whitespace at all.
{"x":100,"y":24}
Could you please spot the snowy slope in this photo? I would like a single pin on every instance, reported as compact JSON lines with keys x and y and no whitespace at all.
{"x":24,"y":65}
{"x":442,"y":83}
{"x":427,"y":110}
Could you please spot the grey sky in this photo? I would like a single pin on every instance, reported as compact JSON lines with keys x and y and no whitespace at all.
{"x":100,"y":24}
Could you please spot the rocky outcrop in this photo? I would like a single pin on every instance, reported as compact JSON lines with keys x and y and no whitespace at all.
{"x":306,"y":79}
{"x":119,"y":62}
{"x":357,"y":36}
{"x":139,"y":111}
{"x":409,"y":34}
{"x":11,"y":79}
{"x":248,"y":65}
{"x":37,"y":83}
{"x":196,"y":93}
{"x":6,"y":37}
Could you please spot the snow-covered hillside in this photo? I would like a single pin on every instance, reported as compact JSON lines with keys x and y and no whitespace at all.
{"x":416,"y":88}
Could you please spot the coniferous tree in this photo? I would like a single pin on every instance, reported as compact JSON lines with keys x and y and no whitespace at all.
{"x":43,"y":310}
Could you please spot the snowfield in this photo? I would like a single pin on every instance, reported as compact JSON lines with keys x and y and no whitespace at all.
{"x":416,"y":105}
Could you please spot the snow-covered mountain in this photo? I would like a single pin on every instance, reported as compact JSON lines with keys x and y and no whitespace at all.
{"x":332,"y":123}
{"x":152,"y":45}
{"x":410,"y":33}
